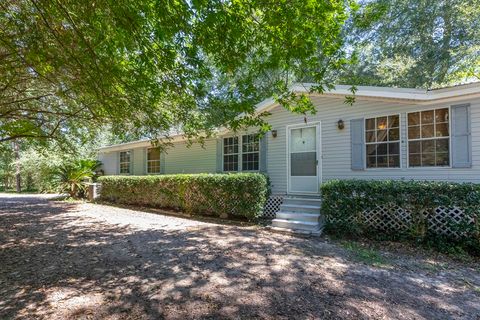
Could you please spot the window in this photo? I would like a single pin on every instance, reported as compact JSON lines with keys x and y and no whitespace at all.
{"x":382,"y":136}
{"x":125,"y":162}
{"x":153,"y":160}
{"x":230,"y":154}
{"x":250,"y":148}
{"x":429,"y":138}
{"x":248,"y":153}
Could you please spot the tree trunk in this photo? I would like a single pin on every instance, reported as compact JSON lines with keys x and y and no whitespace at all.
{"x":18,"y":179}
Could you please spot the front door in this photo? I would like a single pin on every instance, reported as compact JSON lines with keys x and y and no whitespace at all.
{"x":303,"y":145}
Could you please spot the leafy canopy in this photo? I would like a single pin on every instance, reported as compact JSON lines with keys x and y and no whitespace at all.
{"x":149,"y":67}
{"x":412,"y":43}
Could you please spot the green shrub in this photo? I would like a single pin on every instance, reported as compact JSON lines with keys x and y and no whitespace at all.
{"x":242,"y":194}
{"x":72,"y":177}
{"x":346,"y":201}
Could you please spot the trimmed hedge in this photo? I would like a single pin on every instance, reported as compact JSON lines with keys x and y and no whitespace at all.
{"x":221,"y":195}
{"x":345,"y":203}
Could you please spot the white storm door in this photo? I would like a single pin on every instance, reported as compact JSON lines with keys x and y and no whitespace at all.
{"x":303,"y":158}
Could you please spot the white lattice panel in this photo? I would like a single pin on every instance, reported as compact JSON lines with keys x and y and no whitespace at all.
{"x":272,"y":206}
{"x":443,"y":221}
{"x":387,"y":218}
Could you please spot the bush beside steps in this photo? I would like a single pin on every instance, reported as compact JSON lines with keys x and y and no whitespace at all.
{"x":218,"y":195}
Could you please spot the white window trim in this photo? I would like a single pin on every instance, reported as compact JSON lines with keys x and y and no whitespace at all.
{"x":240,"y":153}
{"x":400,"y":141}
{"x":449,"y":137}
{"x":231,"y":154}
{"x":240,"y":158}
{"x":147,"y":161}
{"x":129,"y":162}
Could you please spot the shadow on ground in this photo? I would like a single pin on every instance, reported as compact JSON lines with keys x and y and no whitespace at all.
{"x":59,"y":264}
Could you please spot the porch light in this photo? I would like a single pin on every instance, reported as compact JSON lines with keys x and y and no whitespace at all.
{"x":274,"y":133}
{"x":340,"y":124}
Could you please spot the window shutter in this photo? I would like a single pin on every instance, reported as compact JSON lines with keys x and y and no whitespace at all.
{"x":219,"y":155}
{"x":263,"y":153}
{"x":461,"y":137}
{"x":162,"y":162}
{"x":132,"y":155}
{"x":145,"y":158}
{"x":117,"y":162}
{"x":358,"y":144}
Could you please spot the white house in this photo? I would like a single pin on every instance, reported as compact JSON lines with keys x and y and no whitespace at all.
{"x":389,"y":133}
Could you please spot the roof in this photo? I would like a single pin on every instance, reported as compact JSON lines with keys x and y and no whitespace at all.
{"x":401,"y":95}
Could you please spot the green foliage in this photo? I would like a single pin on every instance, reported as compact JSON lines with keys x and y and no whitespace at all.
{"x":71,"y":178}
{"x":410,"y":43}
{"x":38,"y":160}
{"x":344,"y":201}
{"x":146,"y":67}
{"x":364,"y":254}
{"x":241,"y":194}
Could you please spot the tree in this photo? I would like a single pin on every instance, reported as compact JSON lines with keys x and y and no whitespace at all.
{"x":39,"y":161}
{"x":147,"y":67}
{"x":413,"y":43}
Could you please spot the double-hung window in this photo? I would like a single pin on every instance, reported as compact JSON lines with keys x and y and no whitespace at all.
{"x":250,"y":152}
{"x":241,"y":153}
{"x":125,"y":162}
{"x":382,"y":137}
{"x":230,"y":154}
{"x":153,"y":160}
{"x":429,"y":138}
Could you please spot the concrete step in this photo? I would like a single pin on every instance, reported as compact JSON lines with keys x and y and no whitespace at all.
{"x":296,"y":225}
{"x":299,"y":208}
{"x":315,"y":233}
{"x":303,"y":201}
{"x":311,"y":217}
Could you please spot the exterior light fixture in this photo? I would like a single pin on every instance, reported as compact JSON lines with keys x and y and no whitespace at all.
{"x":274,"y":133}
{"x":340,"y":124}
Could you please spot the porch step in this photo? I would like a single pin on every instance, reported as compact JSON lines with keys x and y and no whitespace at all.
{"x":310,"y":217}
{"x":296,"y":225}
{"x":300,"y":215}
{"x":303,"y":201}
{"x":300,"y":208}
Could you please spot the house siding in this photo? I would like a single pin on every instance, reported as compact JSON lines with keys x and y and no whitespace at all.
{"x":109,"y":162}
{"x":139,"y":161}
{"x":335,"y":145}
{"x":194,"y":159}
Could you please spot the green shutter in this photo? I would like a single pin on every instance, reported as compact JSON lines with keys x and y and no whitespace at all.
{"x":219,"y":155}
{"x":263,"y":153}
{"x":162,"y":162}
{"x":357,"y":144}
{"x":117,"y":161}
{"x":461,"y":137}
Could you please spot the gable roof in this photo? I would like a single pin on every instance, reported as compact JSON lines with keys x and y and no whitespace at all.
{"x":400,"y":95}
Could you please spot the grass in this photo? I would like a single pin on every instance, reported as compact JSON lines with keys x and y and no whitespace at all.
{"x":364,"y":254}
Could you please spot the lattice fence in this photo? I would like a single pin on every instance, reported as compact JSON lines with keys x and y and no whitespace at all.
{"x":444,"y":221}
{"x":272,"y":206}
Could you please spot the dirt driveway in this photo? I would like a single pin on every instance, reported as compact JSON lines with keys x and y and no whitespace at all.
{"x":63,"y":260}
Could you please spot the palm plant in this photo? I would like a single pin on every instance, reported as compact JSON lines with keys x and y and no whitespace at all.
{"x":71,"y":178}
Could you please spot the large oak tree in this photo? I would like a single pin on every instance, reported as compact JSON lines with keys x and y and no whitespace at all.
{"x":150,"y":67}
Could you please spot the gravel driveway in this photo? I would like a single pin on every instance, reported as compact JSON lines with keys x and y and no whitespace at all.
{"x":61,"y":260}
